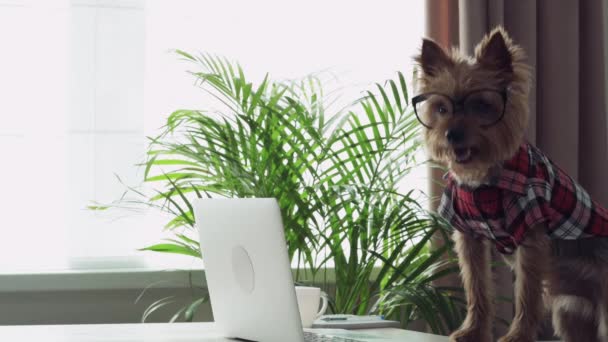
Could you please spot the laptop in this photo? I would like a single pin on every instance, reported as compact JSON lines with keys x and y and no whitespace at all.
{"x":248,"y":271}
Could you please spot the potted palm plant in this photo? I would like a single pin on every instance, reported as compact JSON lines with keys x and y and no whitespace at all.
{"x":336,"y":177}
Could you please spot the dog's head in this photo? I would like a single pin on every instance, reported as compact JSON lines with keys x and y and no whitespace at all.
{"x":474,"y":109}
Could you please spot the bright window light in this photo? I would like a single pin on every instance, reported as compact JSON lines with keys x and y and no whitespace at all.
{"x":85,"y":81}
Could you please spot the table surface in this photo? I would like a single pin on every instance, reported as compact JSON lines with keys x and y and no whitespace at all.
{"x":176,"y":332}
{"x":172,"y":332}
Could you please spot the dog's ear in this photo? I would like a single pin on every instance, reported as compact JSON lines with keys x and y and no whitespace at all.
{"x":493,"y":51}
{"x":432,"y":58}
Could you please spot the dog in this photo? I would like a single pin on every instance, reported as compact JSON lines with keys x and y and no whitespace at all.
{"x":503,"y":191}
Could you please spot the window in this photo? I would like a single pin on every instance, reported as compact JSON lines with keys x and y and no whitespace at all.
{"x":85,"y":81}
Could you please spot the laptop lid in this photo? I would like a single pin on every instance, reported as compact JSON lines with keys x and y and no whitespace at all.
{"x":247,"y":269}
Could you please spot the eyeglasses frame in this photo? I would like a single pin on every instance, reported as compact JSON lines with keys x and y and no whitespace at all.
{"x":460,"y":104}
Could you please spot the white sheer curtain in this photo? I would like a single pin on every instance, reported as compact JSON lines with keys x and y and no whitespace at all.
{"x":72,"y":116}
{"x":33,"y":64}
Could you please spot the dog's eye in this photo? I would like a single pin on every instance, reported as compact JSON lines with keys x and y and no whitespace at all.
{"x":441,"y":108}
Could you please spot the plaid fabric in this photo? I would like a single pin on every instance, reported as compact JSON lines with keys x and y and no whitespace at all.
{"x":529,"y":190}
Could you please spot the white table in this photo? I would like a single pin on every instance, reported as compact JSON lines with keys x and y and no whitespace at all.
{"x":165,"y":332}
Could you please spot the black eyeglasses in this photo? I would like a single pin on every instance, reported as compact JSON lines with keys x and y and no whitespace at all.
{"x":487,"y":106}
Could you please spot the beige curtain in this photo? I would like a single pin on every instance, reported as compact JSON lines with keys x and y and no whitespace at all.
{"x":565,"y":42}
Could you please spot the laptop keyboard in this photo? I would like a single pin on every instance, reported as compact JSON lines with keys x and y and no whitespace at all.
{"x":316,"y":337}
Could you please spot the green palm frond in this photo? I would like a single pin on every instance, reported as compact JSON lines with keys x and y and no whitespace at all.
{"x":335,"y":175}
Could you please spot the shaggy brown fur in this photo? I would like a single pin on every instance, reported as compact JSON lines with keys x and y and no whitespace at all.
{"x":572,"y":285}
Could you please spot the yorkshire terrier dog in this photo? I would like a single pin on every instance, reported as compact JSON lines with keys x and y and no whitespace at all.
{"x":503,"y":191}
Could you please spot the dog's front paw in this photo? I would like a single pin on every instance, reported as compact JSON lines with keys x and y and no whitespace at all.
{"x":517,"y":337}
{"x":471,"y":334}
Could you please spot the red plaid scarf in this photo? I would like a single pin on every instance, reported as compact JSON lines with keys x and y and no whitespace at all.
{"x":530,"y":189}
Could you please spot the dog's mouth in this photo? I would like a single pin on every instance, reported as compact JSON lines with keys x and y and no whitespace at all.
{"x":463,"y":155}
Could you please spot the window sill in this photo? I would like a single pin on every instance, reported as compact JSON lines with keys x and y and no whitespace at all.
{"x":121,"y":274}
{"x":103,"y":279}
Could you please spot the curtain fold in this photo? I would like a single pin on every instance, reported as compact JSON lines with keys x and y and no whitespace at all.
{"x":565,"y":41}
{"x":593,"y":137}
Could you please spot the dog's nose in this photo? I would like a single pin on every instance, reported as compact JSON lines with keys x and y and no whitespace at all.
{"x":455,"y":135}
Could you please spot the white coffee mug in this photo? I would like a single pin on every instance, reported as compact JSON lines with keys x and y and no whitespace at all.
{"x":308,"y":303}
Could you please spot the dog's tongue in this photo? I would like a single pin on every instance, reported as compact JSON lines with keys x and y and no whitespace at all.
{"x":463,"y":155}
